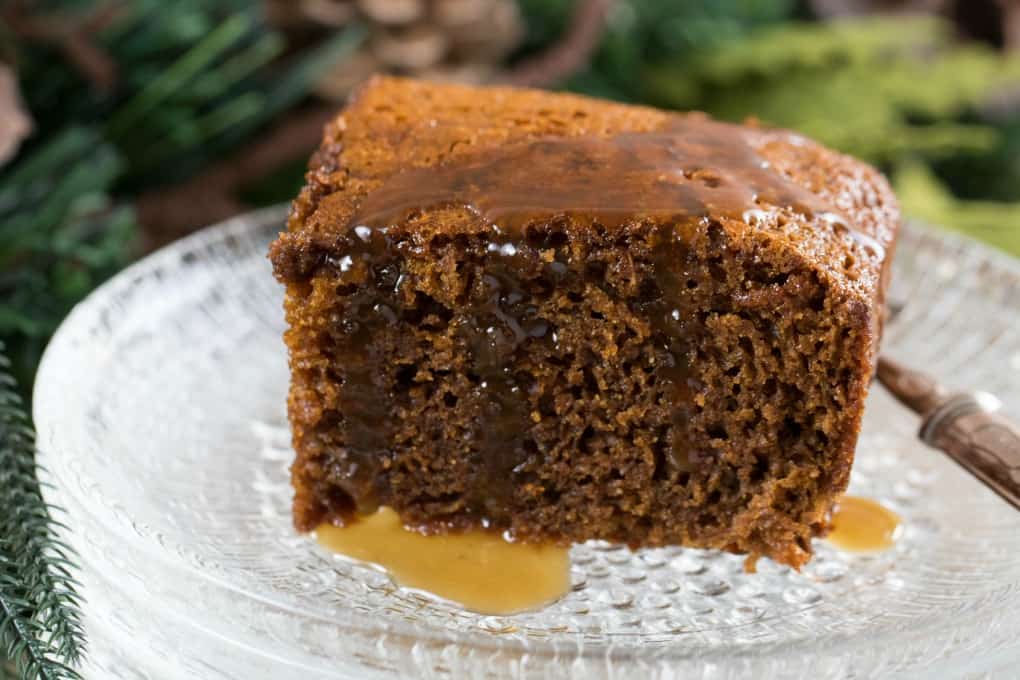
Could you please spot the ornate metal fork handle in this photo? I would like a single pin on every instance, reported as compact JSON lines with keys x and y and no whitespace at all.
{"x":964,"y":426}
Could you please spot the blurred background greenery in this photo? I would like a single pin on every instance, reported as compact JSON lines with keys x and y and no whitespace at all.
{"x":127,"y":123}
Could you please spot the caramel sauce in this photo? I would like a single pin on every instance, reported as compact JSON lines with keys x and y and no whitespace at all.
{"x":609,"y":180}
{"x":475,"y":568}
{"x":863,"y":525}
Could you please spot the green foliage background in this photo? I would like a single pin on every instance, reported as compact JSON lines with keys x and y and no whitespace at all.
{"x":196,"y":78}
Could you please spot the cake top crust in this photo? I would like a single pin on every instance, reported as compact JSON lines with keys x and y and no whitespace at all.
{"x":448,"y":159}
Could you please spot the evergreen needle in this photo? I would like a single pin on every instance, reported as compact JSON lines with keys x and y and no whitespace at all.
{"x":40,"y":622}
{"x":186,"y":68}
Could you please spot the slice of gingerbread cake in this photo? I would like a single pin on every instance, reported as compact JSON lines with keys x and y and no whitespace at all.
{"x":571,"y":319}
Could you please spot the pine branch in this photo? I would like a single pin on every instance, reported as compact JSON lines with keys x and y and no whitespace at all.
{"x":60,"y":235}
{"x":925,"y":197}
{"x":20,"y":639}
{"x":215,"y":193}
{"x":883,"y":89}
{"x":792,"y":47}
{"x":196,"y":80}
{"x":40,"y":622}
{"x":636,"y":33}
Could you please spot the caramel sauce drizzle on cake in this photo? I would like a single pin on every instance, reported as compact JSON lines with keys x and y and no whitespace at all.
{"x":694,"y":167}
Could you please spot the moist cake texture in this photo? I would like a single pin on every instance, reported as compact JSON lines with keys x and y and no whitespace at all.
{"x":572,"y":319}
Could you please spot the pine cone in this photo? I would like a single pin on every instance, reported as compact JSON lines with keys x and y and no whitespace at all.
{"x":15,"y":123}
{"x":458,"y":40}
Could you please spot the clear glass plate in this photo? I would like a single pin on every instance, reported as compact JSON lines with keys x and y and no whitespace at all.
{"x":161,"y":417}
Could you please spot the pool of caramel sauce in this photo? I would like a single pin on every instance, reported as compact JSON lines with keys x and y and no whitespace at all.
{"x":476,"y":568}
{"x":863,"y":525}
{"x":482,"y":571}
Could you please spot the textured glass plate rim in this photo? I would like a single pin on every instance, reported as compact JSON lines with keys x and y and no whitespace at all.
{"x":53,"y":427}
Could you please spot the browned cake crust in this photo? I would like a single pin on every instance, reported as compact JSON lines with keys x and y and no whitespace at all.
{"x":573,"y":319}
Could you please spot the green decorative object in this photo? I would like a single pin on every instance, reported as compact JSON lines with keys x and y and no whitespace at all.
{"x":40,"y":628}
{"x":61,"y":233}
{"x":881,"y":89}
{"x":163,"y":89}
{"x":924,"y":196}
{"x":643,"y":32}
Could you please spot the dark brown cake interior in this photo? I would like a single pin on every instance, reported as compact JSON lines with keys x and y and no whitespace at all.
{"x":618,"y":354}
